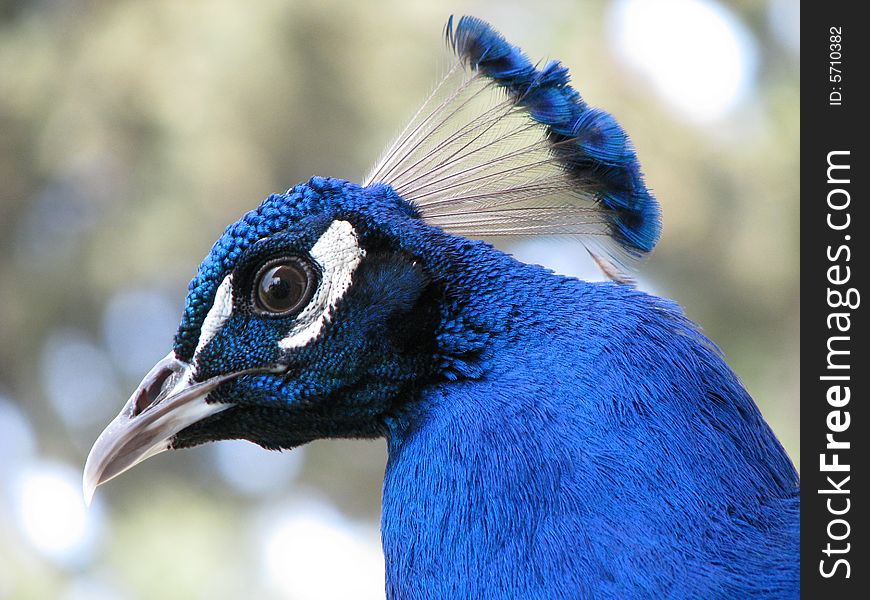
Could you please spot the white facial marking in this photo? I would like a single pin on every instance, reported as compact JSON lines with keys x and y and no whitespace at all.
{"x":220,"y":311}
{"x":338,"y":254}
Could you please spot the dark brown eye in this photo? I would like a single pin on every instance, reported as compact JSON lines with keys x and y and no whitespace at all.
{"x":283,"y":286}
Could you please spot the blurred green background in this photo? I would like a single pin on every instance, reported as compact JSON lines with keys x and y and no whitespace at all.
{"x":132,"y":132}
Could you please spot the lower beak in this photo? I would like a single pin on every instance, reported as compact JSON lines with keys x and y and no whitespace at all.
{"x":167,"y":401}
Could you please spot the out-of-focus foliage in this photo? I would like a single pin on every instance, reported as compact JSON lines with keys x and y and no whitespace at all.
{"x":132,"y":132}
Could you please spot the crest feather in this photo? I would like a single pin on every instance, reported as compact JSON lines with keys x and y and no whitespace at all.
{"x":505,"y":147}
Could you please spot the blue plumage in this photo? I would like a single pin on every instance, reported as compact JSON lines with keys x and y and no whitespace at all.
{"x":547,"y":437}
{"x":607,"y":452}
{"x":590,"y":143}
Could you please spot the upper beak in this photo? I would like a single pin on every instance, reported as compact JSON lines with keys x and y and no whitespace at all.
{"x":167,"y":401}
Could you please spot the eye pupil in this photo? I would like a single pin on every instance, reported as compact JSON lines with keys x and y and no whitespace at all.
{"x":283,"y":287}
{"x":278,"y":289}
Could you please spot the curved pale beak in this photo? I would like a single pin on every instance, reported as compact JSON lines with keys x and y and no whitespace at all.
{"x":167,"y":401}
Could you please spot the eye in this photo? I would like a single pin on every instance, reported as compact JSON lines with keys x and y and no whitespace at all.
{"x":284,"y":286}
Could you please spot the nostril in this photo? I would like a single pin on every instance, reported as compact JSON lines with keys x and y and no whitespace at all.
{"x":150,"y":393}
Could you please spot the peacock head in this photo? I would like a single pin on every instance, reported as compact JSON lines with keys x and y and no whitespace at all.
{"x":322,"y":312}
{"x":311,"y":317}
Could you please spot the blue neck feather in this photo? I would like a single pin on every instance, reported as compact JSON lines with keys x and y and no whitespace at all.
{"x":593,"y":443}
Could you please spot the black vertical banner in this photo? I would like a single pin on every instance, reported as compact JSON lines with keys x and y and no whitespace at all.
{"x":835,"y":343}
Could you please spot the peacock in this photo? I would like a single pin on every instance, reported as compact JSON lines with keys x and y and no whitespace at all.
{"x":547,"y":437}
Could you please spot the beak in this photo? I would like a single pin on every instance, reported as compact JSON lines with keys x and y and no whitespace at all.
{"x":167,"y":401}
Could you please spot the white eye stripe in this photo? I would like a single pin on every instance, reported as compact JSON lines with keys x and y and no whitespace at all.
{"x":221,"y":310}
{"x":338,"y":254}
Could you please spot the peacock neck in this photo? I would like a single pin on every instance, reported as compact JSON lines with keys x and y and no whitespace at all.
{"x":541,"y":440}
{"x":470,"y":494}
{"x":475,"y":503}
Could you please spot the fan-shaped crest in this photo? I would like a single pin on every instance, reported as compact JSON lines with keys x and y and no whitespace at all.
{"x":505,"y":147}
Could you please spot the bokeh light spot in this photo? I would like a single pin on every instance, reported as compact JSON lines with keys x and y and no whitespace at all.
{"x":313,"y":553}
{"x":697,"y":55}
{"x":79,"y":378}
{"x":17,"y":440}
{"x":51,"y":512}
{"x":138,"y":326}
{"x":254,"y":471}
